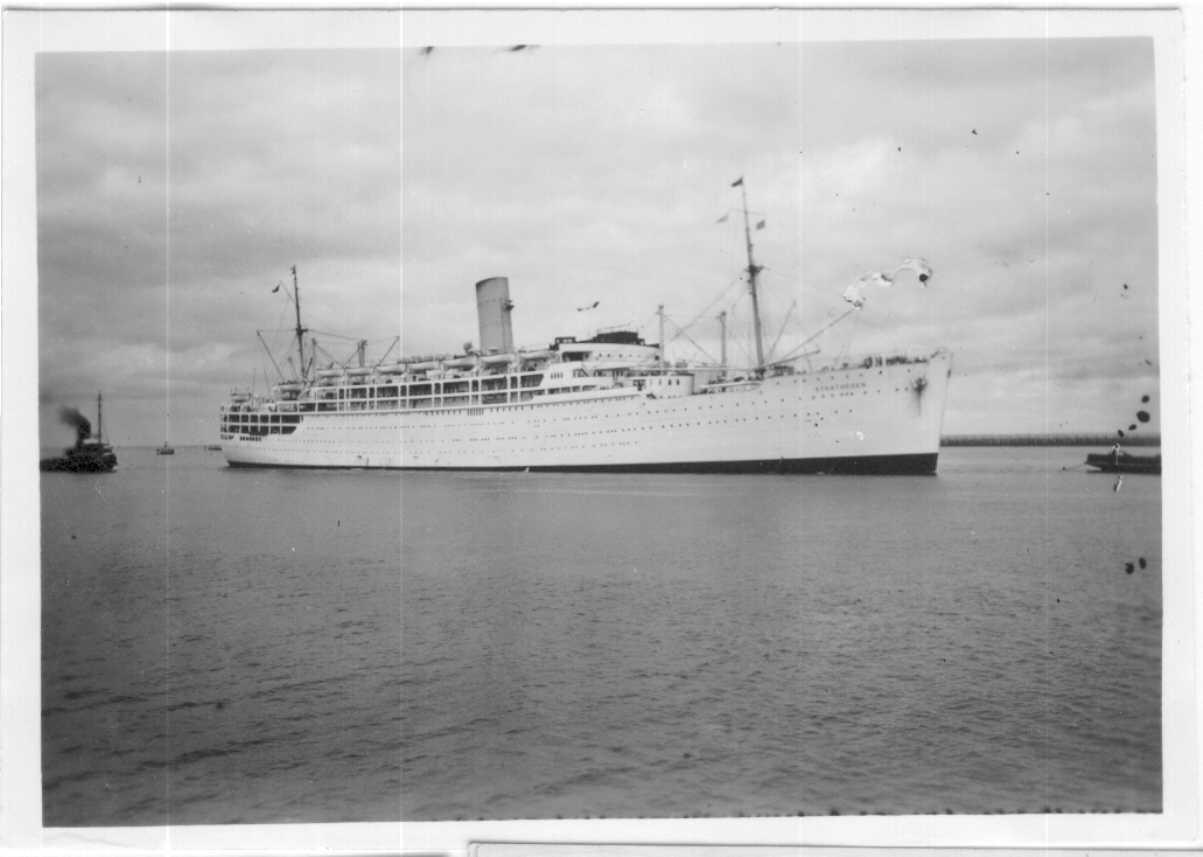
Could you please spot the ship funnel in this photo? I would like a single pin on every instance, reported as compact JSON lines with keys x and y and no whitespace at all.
{"x":493,"y":306}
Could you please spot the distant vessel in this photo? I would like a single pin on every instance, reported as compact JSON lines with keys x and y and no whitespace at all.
{"x":213,"y":447}
{"x":1122,"y":462}
{"x":89,"y":455}
{"x":165,"y":449}
{"x":608,"y":403}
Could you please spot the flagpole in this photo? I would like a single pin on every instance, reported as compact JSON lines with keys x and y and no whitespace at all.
{"x":753,"y":271}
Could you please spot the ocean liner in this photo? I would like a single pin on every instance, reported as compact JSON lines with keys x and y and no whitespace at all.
{"x":607,"y":403}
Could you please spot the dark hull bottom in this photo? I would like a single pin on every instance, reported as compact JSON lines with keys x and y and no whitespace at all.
{"x":1152,"y":471}
{"x":59,"y":465}
{"x":1105,"y":464}
{"x":870,"y":465}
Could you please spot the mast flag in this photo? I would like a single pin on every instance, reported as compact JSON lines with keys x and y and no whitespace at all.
{"x":920,"y":266}
{"x":854,"y":293}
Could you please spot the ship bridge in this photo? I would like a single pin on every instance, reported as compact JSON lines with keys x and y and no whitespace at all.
{"x":609,"y":350}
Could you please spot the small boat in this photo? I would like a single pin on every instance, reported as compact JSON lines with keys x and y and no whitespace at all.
{"x":89,"y":455}
{"x":1123,"y":462}
{"x":165,"y":449}
{"x":213,"y":447}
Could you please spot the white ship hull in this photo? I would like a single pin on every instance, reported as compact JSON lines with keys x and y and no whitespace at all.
{"x":882,"y":419}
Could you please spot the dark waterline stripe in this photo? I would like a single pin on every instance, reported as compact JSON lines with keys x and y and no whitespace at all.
{"x":919,"y":464}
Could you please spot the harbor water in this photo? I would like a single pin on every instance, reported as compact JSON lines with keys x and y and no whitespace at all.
{"x":224,"y":645}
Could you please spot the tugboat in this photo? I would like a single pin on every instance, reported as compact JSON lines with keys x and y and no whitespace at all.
{"x":89,"y":455}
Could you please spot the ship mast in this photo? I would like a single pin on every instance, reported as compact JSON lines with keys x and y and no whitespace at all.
{"x":99,"y":421}
{"x":660,"y":314}
{"x":296,"y":300}
{"x":753,"y":271}
{"x":722,"y":322}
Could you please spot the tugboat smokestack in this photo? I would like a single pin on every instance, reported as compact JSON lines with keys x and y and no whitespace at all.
{"x":72,"y":417}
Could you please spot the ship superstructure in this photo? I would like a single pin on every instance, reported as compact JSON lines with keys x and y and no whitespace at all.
{"x":609,"y":402}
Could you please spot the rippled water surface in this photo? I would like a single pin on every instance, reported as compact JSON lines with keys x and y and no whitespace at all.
{"x":227,"y":646}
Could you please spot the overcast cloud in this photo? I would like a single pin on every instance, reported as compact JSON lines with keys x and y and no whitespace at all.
{"x":175,"y":190}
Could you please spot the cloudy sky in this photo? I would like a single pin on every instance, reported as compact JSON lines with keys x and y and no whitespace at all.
{"x":176,"y":189}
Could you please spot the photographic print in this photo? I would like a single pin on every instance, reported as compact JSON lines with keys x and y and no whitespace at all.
{"x":520,"y":428}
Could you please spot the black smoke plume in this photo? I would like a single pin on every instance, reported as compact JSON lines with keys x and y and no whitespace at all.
{"x":72,"y":417}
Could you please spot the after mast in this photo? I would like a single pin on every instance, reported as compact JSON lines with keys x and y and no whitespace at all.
{"x":301,"y":331}
{"x":753,"y":271}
